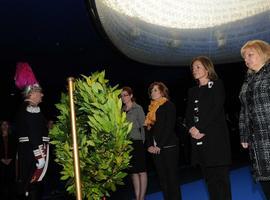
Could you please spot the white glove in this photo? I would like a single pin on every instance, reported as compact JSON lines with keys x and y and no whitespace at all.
{"x":41,"y":163}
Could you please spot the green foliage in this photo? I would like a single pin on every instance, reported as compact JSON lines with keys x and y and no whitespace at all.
{"x":102,"y":133}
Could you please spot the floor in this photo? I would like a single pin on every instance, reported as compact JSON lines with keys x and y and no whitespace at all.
{"x":190,"y":180}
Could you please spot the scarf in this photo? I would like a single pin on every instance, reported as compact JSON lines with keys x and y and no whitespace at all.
{"x":150,"y":118}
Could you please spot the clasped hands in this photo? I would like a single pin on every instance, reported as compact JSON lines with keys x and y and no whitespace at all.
{"x":6,"y":161}
{"x":153,"y":150}
{"x":195,"y":133}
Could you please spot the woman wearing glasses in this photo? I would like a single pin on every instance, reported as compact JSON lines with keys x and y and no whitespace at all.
{"x":136,"y":115}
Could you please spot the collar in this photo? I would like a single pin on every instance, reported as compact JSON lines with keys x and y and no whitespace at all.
{"x":33,"y":109}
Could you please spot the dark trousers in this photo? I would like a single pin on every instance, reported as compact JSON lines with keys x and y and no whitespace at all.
{"x":7,"y":181}
{"x":218,"y":182}
{"x":266,"y":188}
{"x":34,"y":192}
{"x":166,"y":164}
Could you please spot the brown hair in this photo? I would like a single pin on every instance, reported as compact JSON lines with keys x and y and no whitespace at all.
{"x":129,"y":91}
{"x":1,"y":123}
{"x":208,"y":65}
{"x":262,"y":47}
{"x":162,"y":87}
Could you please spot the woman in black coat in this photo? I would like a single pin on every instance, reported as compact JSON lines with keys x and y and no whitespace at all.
{"x":162,"y":141}
{"x":7,"y":161}
{"x":208,"y":129}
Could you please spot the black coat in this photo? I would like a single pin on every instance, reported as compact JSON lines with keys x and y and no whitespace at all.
{"x":163,"y":131}
{"x":7,"y":172}
{"x":11,"y":147}
{"x":254,"y":121}
{"x":215,"y":149}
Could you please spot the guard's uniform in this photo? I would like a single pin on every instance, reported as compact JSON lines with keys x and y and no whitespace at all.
{"x":33,"y":144}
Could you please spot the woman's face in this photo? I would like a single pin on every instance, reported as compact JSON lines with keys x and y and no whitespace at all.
{"x":155,"y":93}
{"x":4,"y":126}
{"x":199,"y":71}
{"x":253,"y":59}
{"x":125,"y":97}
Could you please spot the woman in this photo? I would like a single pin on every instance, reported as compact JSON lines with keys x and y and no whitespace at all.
{"x":162,"y":141}
{"x":254,"y":121}
{"x":32,"y":134}
{"x":7,"y":164}
{"x":208,"y":129}
{"x":136,"y":115}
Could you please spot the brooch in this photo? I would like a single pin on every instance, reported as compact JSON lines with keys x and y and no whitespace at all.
{"x":210,"y":84}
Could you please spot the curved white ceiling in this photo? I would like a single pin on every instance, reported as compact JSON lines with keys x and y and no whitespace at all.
{"x":172,"y":32}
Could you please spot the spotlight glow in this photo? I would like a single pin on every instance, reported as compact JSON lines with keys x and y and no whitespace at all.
{"x":172,"y":32}
{"x":186,"y":14}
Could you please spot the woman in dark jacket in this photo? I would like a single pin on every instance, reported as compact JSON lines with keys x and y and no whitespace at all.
{"x":162,"y":141}
{"x":7,"y":161}
{"x":208,"y":129}
{"x":254,"y":121}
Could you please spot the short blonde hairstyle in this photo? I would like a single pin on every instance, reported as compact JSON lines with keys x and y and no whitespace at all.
{"x":262,"y":47}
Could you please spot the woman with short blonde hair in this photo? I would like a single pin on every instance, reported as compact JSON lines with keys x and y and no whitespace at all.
{"x":254,"y":121}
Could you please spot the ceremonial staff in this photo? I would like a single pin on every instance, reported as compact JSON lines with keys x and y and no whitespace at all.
{"x":74,"y":138}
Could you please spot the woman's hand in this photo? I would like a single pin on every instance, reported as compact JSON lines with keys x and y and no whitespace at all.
{"x":153,"y":150}
{"x":195,"y":133}
{"x":150,"y":149}
{"x":6,"y":161}
{"x":193,"y":130}
{"x":198,"y":136}
{"x":244,"y":145}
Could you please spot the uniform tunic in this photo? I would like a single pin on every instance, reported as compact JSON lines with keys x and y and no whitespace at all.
{"x":31,"y":124}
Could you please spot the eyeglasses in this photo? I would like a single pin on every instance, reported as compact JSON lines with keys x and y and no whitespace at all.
{"x":124,"y":95}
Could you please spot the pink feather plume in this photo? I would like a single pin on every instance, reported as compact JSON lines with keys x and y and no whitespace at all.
{"x":24,"y":75}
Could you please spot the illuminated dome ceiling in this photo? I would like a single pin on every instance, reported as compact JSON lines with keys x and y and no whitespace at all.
{"x":172,"y":32}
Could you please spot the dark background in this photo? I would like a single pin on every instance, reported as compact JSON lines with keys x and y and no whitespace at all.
{"x":59,"y":39}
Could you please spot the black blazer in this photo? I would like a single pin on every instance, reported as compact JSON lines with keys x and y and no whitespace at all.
{"x":11,"y":146}
{"x":216,"y":143}
{"x":163,"y":131}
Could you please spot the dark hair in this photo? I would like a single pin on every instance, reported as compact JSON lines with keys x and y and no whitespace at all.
{"x":129,"y":91}
{"x":4,"y":120}
{"x":161,"y":86}
{"x":1,"y":123}
{"x":208,"y":65}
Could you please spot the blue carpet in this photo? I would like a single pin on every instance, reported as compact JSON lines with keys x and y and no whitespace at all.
{"x":243,"y":188}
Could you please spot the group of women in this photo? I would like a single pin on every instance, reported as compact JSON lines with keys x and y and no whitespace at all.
{"x":205,"y":119}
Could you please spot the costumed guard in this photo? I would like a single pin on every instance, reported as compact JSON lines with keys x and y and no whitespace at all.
{"x":30,"y":125}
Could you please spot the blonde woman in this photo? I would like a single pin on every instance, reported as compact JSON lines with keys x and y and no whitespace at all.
{"x":254,"y":121}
